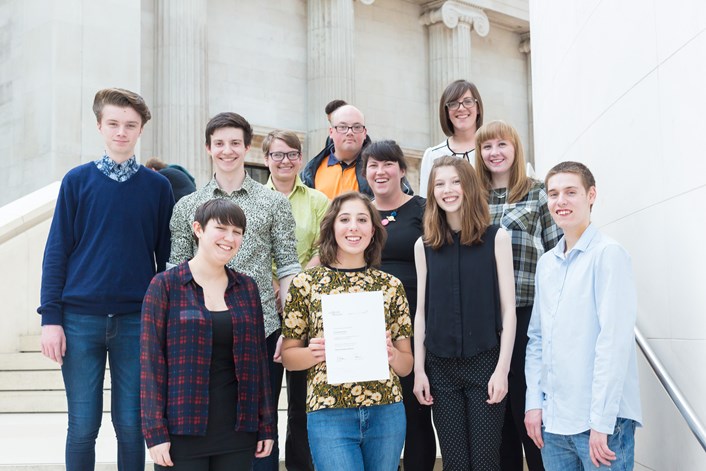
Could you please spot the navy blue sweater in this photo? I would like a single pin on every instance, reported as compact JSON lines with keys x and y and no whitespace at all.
{"x":107,"y":240}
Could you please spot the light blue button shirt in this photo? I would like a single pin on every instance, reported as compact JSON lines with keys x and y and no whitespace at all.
{"x":581,"y":363}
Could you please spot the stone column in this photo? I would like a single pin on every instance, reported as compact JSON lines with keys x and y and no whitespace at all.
{"x":525,"y":47}
{"x":181,"y":113}
{"x":450,"y":24}
{"x":330,"y":72}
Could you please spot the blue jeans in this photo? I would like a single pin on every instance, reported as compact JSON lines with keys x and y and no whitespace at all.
{"x":357,"y":439}
{"x":89,"y":340}
{"x":571,"y":452}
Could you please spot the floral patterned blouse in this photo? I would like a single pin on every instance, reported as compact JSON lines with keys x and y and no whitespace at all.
{"x":303,"y":320}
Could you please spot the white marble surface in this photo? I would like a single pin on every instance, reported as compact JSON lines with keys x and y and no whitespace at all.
{"x":618,"y":85}
{"x":27,"y":439}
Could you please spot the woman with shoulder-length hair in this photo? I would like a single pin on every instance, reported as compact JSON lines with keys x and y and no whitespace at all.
{"x":465,"y":323}
{"x":358,"y":425}
{"x":519,"y":205}
{"x":460,"y":116}
{"x":205,"y":391}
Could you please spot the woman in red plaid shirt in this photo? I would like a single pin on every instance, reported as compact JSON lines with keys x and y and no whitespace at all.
{"x":205,"y":391}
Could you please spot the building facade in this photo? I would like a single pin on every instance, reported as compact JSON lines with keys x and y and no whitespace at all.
{"x":276,"y":63}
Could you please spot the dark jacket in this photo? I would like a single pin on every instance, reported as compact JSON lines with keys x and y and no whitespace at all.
{"x":181,"y":184}
{"x":309,"y":172}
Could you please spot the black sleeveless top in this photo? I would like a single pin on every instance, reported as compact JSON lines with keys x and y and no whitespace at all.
{"x":221,"y":436}
{"x":398,"y":252}
{"x":462,"y":298}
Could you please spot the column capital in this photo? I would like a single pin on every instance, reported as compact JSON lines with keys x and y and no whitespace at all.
{"x":525,"y":44}
{"x":452,"y":12}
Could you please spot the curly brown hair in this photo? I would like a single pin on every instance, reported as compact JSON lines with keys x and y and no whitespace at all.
{"x":328,"y":248}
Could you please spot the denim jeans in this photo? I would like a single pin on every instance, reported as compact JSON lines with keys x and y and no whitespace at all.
{"x":357,"y":439}
{"x":271,"y":462}
{"x":89,"y":341}
{"x":571,"y":452}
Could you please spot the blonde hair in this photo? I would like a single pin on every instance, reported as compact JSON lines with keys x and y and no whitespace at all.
{"x":519,"y":184}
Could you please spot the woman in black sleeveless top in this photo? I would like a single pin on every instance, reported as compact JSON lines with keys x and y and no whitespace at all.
{"x":465,"y":323}
{"x":402,"y":215}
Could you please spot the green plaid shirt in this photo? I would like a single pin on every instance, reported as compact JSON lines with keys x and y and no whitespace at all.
{"x":532,"y":230}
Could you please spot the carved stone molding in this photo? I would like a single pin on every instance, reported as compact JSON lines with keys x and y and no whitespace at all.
{"x":525,"y":45}
{"x":367,"y":2}
{"x":451,"y":13}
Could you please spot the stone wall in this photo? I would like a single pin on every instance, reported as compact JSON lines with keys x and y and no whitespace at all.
{"x":192,"y":59}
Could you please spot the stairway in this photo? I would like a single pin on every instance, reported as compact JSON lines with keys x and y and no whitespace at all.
{"x":31,"y":383}
{"x":33,"y":414}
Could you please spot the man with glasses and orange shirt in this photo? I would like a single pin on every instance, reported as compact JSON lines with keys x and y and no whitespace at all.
{"x":338,"y":167}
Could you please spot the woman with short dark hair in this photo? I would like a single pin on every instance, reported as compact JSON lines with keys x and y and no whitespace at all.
{"x":402,"y":215}
{"x":205,"y":391}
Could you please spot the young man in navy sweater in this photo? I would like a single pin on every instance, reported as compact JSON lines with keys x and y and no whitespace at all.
{"x":109,"y":236}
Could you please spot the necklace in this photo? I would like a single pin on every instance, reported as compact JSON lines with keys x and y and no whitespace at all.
{"x":500,"y":194}
{"x":390,"y":218}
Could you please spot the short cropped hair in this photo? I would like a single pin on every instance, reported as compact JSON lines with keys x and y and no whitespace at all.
{"x":576,"y":168}
{"x":384,"y":151}
{"x":328,"y":247}
{"x":123,"y":99}
{"x":222,"y":210}
{"x":288,"y":137}
{"x":155,"y":163}
{"x":453,"y":92}
{"x":333,"y":106}
{"x":229,"y":120}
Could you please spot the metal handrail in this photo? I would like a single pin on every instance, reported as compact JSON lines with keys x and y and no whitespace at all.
{"x":672,"y":389}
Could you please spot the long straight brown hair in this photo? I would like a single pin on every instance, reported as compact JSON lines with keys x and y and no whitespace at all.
{"x":475,"y":215}
{"x":520,"y":184}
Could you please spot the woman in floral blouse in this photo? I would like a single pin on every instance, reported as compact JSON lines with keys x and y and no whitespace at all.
{"x":357,"y":425}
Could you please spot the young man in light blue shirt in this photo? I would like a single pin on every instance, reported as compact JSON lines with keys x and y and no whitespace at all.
{"x":583,"y":400}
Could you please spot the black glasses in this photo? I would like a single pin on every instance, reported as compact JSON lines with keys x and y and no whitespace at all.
{"x":467,"y":103}
{"x":279,"y":156}
{"x":342,"y":128}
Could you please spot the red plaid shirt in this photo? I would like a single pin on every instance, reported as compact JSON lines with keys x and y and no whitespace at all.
{"x":175,"y":357}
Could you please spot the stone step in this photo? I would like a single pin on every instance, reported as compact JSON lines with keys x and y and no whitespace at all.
{"x":49,"y":380}
{"x":22,"y":402}
{"x":30,"y":343}
{"x":26,"y":361}
{"x":61,"y":467}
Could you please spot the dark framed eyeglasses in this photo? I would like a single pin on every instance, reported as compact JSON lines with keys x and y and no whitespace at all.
{"x":343,"y":128}
{"x":279,"y":156}
{"x":467,"y":103}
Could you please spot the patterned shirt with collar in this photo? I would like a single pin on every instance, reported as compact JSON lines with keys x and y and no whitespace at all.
{"x":303,"y":320}
{"x":118,"y":172}
{"x":269,"y":235}
{"x":175,"y":357}
{"x":533,"y":233}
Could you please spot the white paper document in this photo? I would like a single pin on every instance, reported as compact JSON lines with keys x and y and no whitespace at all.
{"x":354,"y":329}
